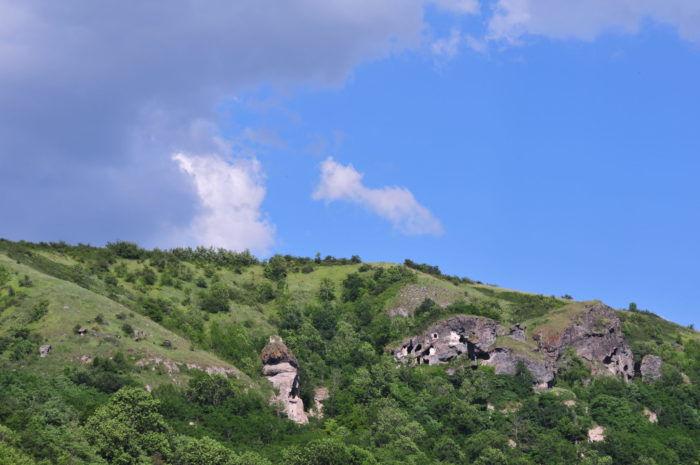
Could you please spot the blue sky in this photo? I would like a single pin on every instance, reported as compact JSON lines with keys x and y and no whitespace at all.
{"x":551,"y":148}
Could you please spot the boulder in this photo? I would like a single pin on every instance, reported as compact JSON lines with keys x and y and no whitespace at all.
{"x":650,"y":368}
{"x":45,"y":350}
{"x":280,"y":367}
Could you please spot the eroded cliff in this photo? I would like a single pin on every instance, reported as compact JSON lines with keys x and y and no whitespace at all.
{"x":591,"y":329}
{"x":280,"y":367}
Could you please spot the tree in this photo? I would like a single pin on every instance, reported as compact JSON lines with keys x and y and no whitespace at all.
{"x":148,"y":276}
{"x":209,"y":390}
{"x":326,"y":290}
{"x":216,"y":299}
{"x":353,"y":286}
{"x":4,"y":275}
{"x":276,"y":268}
{"x":205,"y":451}
{"x":327,"y":452}
{"x":125,"y":249}
{"x":128,"y":429}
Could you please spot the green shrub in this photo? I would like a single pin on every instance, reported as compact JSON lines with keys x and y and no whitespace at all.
{"x":127,"y":329}
{"x":38,"y":311}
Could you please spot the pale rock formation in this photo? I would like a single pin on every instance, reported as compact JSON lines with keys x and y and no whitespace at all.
{"x":651,"y":416}
{"x":650,"y":368}
{"x":596,"y":434}
{"x":280,"y":367}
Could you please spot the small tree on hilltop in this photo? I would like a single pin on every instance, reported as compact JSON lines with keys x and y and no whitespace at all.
{"x":276,"y":268}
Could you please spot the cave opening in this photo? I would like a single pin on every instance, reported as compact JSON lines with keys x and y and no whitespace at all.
{"x":609,"y":358}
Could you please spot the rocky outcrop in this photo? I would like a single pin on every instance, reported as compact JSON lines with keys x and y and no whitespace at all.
{"x":172,"y":366}
{"x":517,"y":332}
{"x":280,"y":367}
{"x":591,"y":329}
{"x":476,"y":337}
{"x":505,"y":362}
{"x":650,"y":368}
{"x":471,"y":335}
{"x":596,"y":336}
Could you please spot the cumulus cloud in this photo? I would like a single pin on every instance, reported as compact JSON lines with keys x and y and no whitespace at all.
{"x":95,"y":96}
{"x":231,"y":193}
{"x":395,"y":204}
{"x":562,"y":19}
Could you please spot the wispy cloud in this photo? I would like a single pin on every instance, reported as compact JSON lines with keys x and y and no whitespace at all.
{"x":448,"y":47}
{"x":395,"y":204}
{"x":231,"y":193}
{"x":563,"y":19}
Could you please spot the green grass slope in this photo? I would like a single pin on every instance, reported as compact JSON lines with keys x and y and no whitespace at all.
{"x":69,"y":306}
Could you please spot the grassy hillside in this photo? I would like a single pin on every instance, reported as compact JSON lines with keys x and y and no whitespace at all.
{"x":165,"y":318}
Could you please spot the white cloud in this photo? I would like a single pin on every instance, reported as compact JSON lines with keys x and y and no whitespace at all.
{"x":115,"y":87}
{"x":586,"y":19}
{"x":448,"y":47}
{"x":231,"y":194}
{"x":395,"y":204}
{"x":459,"y":6}
{"x":475,"y":44}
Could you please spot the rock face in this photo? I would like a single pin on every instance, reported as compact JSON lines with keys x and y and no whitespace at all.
{"x":650,"y":368}
{"x":517,"y":332}
{"x":593,"y":332}
{"x":596,"y":336}
{"x":471,"y":335}
{"x":505,"y":361}
{"x":474,"y":336}
{"x":280,"y":367}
